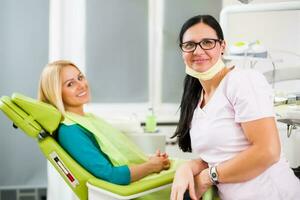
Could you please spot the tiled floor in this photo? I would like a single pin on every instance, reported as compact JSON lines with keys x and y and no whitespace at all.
{"x":23,"y":194}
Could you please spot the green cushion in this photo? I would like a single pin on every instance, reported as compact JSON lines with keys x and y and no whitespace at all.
{"x":211,"y":194}
{"x":161,"y":194}
{"x":45,"y":114}
{"x":21,"y":119}
{"x":135,"y":187}
{"x":50,"y":146}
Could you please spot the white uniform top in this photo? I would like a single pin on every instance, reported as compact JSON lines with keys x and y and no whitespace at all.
{"x":217,"y":136}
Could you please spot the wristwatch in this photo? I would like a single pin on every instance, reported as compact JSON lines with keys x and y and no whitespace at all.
{"x":213,"y":174}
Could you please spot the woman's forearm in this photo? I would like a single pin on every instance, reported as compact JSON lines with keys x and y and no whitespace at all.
{"x":140,"y":171}
{"x":246,"y":165}
{"x":154,"y":164}
{"x":264,"y":151}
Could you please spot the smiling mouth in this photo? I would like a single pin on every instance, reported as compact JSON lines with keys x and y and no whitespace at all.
{"x":82,"y":94}
{"x":200,"y":60}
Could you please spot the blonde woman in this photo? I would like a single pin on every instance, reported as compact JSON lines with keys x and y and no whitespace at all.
{"x":94,"y":144}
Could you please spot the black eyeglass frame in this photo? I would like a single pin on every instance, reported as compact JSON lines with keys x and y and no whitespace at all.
{"x":199,"y":43}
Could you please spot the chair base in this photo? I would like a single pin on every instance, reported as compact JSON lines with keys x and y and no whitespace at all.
{"x":96,"y":193}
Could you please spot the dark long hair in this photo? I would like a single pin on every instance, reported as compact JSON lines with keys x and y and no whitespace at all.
{"x":192,"y":87}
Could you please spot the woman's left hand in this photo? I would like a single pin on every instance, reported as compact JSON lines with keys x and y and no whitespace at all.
{"x":202,"y":182}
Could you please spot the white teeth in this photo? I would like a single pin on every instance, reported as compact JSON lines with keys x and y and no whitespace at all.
{"x":81,"y":94}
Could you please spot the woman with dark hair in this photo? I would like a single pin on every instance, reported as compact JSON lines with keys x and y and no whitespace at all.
{"x":227,"y":118}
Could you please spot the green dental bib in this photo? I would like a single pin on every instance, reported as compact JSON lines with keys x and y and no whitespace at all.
{"x":119,"y":149}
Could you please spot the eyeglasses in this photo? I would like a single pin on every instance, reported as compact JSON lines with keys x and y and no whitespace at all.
{"x":205,"y":44}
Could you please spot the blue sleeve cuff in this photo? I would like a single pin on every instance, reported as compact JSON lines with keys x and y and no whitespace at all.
{"x":120,"y":175}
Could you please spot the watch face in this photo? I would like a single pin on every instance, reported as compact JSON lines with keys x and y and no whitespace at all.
{"x":214,"y":175}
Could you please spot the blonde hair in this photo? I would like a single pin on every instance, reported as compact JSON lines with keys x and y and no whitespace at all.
{"x":49,"y":90}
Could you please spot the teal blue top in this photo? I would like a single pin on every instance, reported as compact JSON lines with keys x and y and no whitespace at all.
{"x":83,"y":147}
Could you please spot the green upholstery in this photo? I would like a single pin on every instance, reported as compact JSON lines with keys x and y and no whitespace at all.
{"x":135,"y":187}
{"x":19,"y":117}
{"x":34,"y":117}
{"x":211,"y":194}
{"x":50,"y":146}
{"x":45,"y":114}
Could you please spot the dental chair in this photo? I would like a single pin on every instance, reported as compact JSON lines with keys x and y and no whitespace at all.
{"x":40,"y":121}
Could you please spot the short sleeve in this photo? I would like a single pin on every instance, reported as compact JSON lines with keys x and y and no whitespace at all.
{"x":250,"y":95}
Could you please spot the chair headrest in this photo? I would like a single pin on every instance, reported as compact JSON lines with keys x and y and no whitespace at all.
{"x":20,"y":119}
{"x":33,"y":113}
{"x":45,"y":114}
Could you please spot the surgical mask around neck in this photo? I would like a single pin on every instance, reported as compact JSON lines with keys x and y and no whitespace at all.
{"x":207,"y":75}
